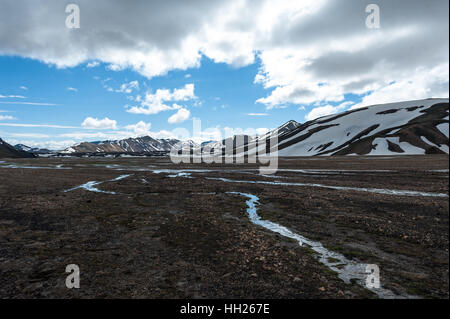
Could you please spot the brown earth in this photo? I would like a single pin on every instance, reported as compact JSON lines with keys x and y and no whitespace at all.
{"x":166,"y":237}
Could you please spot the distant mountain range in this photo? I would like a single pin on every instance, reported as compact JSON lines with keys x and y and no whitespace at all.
{"x":9,"y":151}
{"x":403,"y":128}
{"x":34,"y":150}
{"x":145,"y":144}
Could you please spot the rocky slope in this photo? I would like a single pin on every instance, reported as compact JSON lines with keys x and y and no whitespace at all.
{"x":145,"y":144}
{"x":34,"y":150}
{"x":8,"y":151}
{"x":404,"y":128}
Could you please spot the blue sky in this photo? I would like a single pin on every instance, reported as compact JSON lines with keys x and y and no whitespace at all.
{"x":153,"y":67}
{"x":35,"y":93}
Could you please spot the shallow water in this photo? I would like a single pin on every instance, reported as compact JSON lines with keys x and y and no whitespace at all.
{"x":90,"y":186}
{"x":60,"y":166}
{"x":345,"y":188}
{"x":347,"y":270}
{"x":180,"y":174}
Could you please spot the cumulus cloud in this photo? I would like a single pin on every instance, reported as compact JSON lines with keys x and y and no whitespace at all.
{"x":330,"y":53}
{"x":153,"y":103}
{"x":132,"y":40}
{"x":309,"y":51}
{"x":141,"y":128}
{"x":94,"y":123}
{"x":420,"y":85}
{"x":179,"y":117}
{"x":72,"y":89}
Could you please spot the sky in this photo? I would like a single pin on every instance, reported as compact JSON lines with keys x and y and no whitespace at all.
{"x":156,"y":68}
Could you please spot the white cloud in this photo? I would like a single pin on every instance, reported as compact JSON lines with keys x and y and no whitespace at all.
{"x":12,"y":96}
{"x":94,"y":123}
{"x":153,"y":103}
{"x":83,"y":136}
{"x":72,"y":89}
{"x":31,"y":103}
{"x":257,"y":114}
{"x":421,"y":85}
{"x":141,"y":128}
{"x":310,"y":51}
{"x":23,"y":87}
{"x":6,"y":117}
{"x":262,"y":130}
{"x":37,"y":125}
{"x":93,"y":64}
{"x":133,"y":130}
{"x":28,"y":135}
{"x":52,"y":144}
{"x":129,"y":87}
{"x":330,"y":53}
{"x":179,"y":117}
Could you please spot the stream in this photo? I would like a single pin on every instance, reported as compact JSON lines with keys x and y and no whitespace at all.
{"x":345,"y":188}
{"x":346,"y":269}
{"x":90,"y":186}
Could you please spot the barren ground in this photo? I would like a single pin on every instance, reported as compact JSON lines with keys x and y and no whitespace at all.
{"x":178,"y":237}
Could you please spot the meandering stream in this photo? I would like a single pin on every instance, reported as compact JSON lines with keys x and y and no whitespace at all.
{"x":345,"y":188}
{"x":346,"y":269}
{"x":90,"y":186}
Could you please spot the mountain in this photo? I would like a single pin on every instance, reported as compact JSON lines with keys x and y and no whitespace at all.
{"x":288,"y":126}
{"x":8,"y":151}
{"x":404,"y":128}
{"x":34,"y":150}
{"x":207,"y":142}
{"x":145,"y":144}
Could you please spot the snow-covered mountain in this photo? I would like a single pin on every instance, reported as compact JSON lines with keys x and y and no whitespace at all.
{"x":34,"y":150}
{"x":145,"y":144}
{"x":8,"y":151}
{"x":404,"y":128}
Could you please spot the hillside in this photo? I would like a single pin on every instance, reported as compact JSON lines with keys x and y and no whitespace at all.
{"x":145,"y":144}
{"x":404,"y":128}
{"x":8,"y":151}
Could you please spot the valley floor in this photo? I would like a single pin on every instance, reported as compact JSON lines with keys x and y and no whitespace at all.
{"x":177,"y":231}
